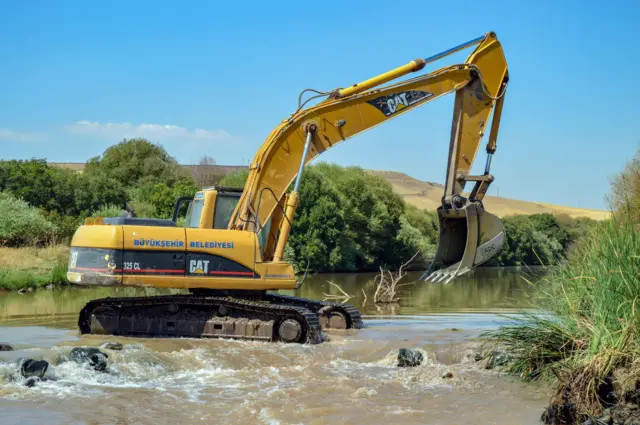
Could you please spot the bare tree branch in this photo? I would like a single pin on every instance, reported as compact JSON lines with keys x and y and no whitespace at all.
{"x":387,"y":283}
{"x":342,"y":298}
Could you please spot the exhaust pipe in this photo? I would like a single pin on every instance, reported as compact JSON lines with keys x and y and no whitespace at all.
{"x":469,"y":236}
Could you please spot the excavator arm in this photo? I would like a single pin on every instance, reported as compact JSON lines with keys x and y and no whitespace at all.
{"x":468,"y":234}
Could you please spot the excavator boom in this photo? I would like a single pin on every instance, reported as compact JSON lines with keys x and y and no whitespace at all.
{"x":479,"y":84}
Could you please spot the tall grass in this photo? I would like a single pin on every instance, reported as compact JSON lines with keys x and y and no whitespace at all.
{"x":588,"y":319}
{"x":33,"y":267}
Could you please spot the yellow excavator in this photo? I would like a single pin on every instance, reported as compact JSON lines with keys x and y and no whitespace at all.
{"x":230,"y":253}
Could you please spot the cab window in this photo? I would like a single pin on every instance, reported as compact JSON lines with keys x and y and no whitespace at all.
{"x":194,"y":213}
{"x":225,"y":205}
{"x":264,"y":235}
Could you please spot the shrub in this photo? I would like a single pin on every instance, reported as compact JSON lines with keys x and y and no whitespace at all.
{"x":163,"y":198}
{"x":235,"y":179}
{"x":109,"y":210}
{"x":66,"y":225}
{"x":22,"y":224}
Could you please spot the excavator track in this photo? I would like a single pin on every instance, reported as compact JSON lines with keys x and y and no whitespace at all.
{"x":201,"y":317}
{"x":331,"y":315}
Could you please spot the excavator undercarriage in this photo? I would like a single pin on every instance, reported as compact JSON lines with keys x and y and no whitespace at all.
{"x":219,"y":314}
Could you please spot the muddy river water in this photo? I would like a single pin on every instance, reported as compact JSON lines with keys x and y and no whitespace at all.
{"x":352,"y":379}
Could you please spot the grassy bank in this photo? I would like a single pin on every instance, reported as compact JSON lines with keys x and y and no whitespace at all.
{"x":22,"y":268}
{"x":586,"y":335}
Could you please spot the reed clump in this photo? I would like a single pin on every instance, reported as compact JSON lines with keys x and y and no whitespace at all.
{"x":585,"y":333}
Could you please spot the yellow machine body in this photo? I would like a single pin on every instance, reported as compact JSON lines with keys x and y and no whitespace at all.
{"x":196,"y":256}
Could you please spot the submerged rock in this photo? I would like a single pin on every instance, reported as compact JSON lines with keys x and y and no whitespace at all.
{"x":115,"y":346}
{"x":36,"y":368}
{"x":409,"y":358}
{"x":497,"y":358}
{"x":5,"y":347}
{"x":93,"y":356}
{"x":31,"y":381}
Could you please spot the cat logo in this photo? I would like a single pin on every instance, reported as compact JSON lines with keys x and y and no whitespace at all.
{"x":199,"y":266}
{"x":395,"y":102}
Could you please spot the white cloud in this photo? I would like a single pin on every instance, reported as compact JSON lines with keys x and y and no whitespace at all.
{"x":17,"y":136}
{"x":153,"y":132}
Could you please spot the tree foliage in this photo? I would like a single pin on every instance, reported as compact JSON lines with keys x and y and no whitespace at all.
{"x":624,"y":197}
{"x":22,"y":224}
{"x":134,"y":171}
{"x":152,"y":178}
{"x":349,"y":220}
{"x":539,"y":239}
{"x":136,"y":163}
{"x":235,"y":179}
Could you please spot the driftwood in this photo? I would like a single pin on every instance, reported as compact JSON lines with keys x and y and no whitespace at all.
{"x":388,"y":282}
{"x":342,"y":298}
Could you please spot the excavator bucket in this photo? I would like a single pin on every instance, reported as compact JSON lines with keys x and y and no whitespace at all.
{"x":468,"y":237}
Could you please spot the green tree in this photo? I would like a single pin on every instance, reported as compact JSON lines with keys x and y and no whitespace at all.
{"x":625,"y":190}
{"x":163,"y":198}
{"x":235,"y":179}
{"x":549,"y":225}
{"x":526,"y":245}
{"x":348,"y":220}
{"x":136,"y":163}
{"x":319,"y":233}
{"x":96,"y":191}
{"x":22,"y":224}
{"x":39,"y":185}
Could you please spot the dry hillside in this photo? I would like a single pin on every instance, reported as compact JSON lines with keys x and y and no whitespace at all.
{"x":428,"y":195}
{"x":421,"y":194}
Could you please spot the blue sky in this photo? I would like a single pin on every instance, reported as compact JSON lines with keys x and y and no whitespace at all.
{"x":213,"y":78}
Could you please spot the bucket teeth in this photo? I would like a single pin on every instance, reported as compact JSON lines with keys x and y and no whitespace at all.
{"x":466,"y":241}
{"x":444,"y":276}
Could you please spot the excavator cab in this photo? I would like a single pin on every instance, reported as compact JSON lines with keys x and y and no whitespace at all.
{"x":212,"y":208}
{"x":222,"y":202}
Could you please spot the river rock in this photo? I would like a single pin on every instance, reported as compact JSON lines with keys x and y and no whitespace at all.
{"x":30,"y":367}
{"x":91,"y":355}
{"x":497,"y":358}
{"x":115,"y":346}
{"x":5,"y":347}
{"x":620,"y":414}
{"x":409,"y":358}
{"x":31,"y":381}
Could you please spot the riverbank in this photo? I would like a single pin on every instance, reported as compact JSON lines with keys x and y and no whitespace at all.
{"x":31,"y":267}
{"x":586,"y":336}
